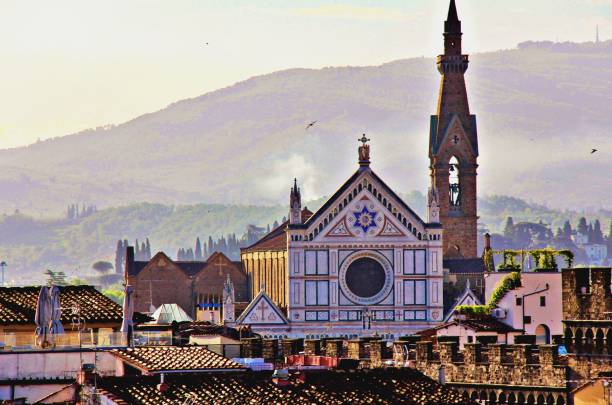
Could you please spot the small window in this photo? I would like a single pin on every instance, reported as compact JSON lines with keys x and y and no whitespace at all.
{"x":542,"y":301}
{"x":526,"y":320}
{"x":519,"y":301}
{"x":470,"y":339}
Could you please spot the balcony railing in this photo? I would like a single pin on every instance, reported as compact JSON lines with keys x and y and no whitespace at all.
{"x":88,"y":339}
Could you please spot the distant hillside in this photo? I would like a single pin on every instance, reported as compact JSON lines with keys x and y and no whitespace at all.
{"x":540,"y":108}
{"x":30,"y":246}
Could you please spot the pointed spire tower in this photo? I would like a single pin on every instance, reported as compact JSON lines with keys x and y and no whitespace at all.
{"x":453,"y":146}
{"x":295,"y":205}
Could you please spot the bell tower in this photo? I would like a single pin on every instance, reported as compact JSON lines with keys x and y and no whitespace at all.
{"x":453,"y":147}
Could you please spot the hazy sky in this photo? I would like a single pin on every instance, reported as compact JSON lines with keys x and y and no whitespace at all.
{"x":71,"y":65}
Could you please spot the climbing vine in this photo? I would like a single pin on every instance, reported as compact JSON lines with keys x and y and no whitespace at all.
{"x":514,"y":260}
{"x":503,"y":286}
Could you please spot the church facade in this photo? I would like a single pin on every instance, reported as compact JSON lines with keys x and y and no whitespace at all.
{"x":365,"y":263}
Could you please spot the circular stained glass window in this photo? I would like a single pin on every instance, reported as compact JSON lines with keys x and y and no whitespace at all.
{"x":365,"y":277}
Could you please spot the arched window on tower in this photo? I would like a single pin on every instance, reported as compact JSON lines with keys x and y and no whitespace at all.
{"x":454,"y":188}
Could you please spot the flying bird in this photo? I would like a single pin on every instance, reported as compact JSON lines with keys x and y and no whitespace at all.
{"x":310,"y":125}
{"x":593,"y":151}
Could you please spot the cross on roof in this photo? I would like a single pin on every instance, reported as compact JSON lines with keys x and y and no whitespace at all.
{"x":363,"y":139}
{"x":262,"y":308}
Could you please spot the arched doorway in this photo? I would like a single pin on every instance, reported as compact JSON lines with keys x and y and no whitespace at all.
{"x":542,"y":333}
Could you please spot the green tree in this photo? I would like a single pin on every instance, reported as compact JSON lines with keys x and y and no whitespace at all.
{"x":56,"y":278}
{"x":198,"y":249}
{"x":567,"y":230}
{"x":509,"y":229}
{"x":102,"y":266}
{"x":582,"y":228}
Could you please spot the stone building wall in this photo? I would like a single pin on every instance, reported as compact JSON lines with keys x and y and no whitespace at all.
{"x":586,"y":294}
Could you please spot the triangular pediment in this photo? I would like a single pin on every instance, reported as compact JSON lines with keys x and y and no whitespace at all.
{"x":454,"y":136}
{"x":163,"y":262}
{"x":365,"y":207}
{"x":262,"y":311}
{"x":468,"y":297}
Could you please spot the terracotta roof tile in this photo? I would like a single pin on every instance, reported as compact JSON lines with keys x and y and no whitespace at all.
{"x":175,"y":358}
{"x":18,"y":305}
{"x":376,"y":386}
{"x":277,"y":238}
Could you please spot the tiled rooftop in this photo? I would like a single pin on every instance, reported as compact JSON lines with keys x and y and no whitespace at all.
{"x":379,"y":386}
{"x":465,"y":266}
{"x":174,"y":358}
{"x":18,"y":305}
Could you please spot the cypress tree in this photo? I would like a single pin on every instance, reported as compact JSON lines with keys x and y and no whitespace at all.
{"x":119,"y":257}
{"x":137,"y":250}
{"x":509,"y":228}
{"x":211,"y":245}
{"x":597,"y":234}
{"x":582,"y":226}
{"x":567,"y":230}
{"x":148,"y":249}
{"x":198,"y":249}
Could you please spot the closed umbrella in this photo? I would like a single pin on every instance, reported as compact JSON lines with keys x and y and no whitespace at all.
{"x":127,"y":326}
{"x":55,"y":324}
{"x":42,"y":316}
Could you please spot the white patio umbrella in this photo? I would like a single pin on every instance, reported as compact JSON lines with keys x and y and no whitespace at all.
{"x":55,"y":323}
{"x":127,"y":326}
{"x":42,"y":316}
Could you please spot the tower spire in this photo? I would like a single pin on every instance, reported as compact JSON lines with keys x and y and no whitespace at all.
{"x":453,"y":148}
{"x":452,"y":25}
{"x":295,"y":204}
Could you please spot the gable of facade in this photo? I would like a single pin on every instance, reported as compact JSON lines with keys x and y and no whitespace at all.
{"x":262,"y":311}
{"x":467,"y":298}
{"x":159,"y":282}
{"x":365,"y":207}
{"x":211,"y":279}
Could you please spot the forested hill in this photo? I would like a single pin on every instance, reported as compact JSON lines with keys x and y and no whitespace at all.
{"x":73,"y":244}
{"x":541,"y":108}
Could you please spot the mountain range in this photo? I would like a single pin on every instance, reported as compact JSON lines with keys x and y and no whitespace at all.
{"x":541,"y":108}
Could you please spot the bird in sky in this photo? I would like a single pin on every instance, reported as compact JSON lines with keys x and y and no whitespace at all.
{"x":310,"y":125}
{"x":593,"y":151}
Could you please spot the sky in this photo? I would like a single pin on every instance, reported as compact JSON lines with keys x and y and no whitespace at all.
{"x":66,"y":66}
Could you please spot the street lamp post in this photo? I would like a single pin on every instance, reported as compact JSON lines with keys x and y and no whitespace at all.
{"x":2,"y":265}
